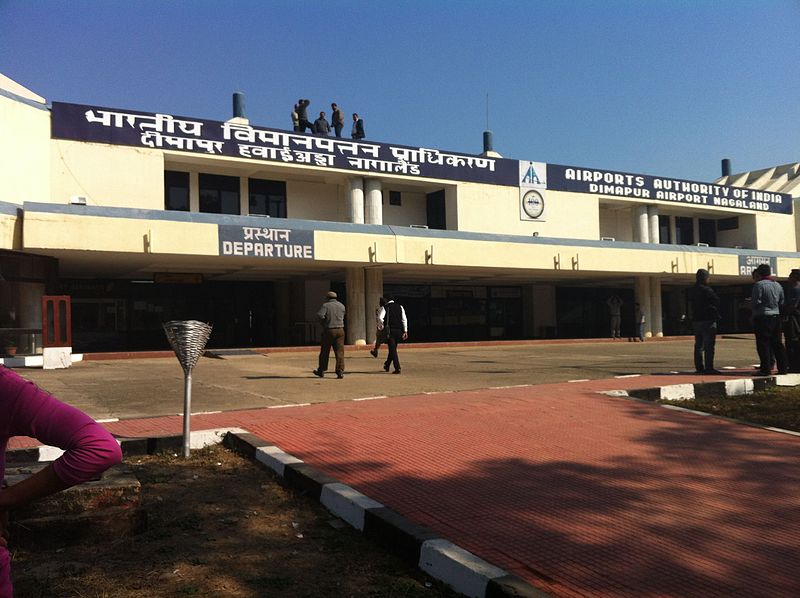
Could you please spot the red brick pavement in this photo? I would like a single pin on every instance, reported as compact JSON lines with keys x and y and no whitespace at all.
{"x":579,"y":493}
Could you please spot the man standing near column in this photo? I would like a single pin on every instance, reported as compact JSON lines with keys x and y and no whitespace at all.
{"x":705,"y":315}
{"x":615,"y":311}
{"x":393,"y":316}
{"x":331,"y":316}
{"x":766,"y":301}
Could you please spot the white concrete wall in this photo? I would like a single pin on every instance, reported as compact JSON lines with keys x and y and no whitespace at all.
{"x":775,"y":232}
{"x":616,"y":223}
{"x":24,"y":152}
{"x":496,"y":209}
{"x":109,"y":176}
{"x":314,"y":201}
{"x":745,"y":235}
{"x":412,"y":211}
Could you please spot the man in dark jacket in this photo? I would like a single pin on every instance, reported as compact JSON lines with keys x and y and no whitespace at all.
{"x":337,"y":119}
{"x":705,"y":314}
{"x":358,"y":127}
{"x":393,"y":317}
{"x":791,"y":321}
{"x":321,"y":126}
{"x":302,"y":116}
{"x":331,"y":316}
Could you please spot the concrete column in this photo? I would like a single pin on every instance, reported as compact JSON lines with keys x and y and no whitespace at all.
{"x":244,"y":196}
{"x":641,"y":229}
{"x":355,"y":201}
{"x":373,"y":202}
{"x":642,"y":293}
{"x":673,"y":230}
{"x":194,"y":192}
{"x":355,"y":323}
{"x":652,"y":217}
{"x":657,"y":327}
{"x":695,"y":231}
{"x":373,"y":279}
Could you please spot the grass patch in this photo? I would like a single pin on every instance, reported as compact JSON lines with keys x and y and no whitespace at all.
{"x":778,"y":407}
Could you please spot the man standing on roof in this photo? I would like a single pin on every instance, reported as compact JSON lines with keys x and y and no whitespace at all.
{"x":358,"y":127}
{"x":337,"y":119}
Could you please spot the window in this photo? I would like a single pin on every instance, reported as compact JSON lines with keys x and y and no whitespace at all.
{"x":663,"y":229}
{"x":267,"y":198}
{"x":684,"y":231}
{"x":176,"y":190}
{"x":395,"y":198}
{"x":728,"y":223}
{"x":708,"y":232}
{"x":219,"y":194}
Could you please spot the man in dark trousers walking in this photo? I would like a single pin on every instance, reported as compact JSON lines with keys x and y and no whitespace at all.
{"x":331,"y":316}
{"x":393,"y":317}
{"x":705,"y":315}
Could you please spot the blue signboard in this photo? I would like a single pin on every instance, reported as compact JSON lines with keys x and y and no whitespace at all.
{"x":176,"y":133}
{"x":266,"y":242}
{"x":748,"y":263}
{"x":647,"y":187}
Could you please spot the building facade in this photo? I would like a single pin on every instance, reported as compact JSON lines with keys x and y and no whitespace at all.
{"x":145,"y":217}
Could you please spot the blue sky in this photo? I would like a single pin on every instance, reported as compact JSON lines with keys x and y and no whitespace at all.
{"x":649,"y":86}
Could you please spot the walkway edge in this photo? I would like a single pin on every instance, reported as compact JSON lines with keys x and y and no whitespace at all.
{"x":463,"y":571}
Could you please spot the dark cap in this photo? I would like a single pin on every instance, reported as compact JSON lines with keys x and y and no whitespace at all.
{"x":795,"y":273}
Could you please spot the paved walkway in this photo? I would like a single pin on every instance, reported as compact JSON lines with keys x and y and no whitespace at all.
{"x":579,"y":493}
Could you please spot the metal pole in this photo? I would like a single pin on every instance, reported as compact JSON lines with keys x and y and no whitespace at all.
{"x":188,"y":339}
{"x":187,"y":414}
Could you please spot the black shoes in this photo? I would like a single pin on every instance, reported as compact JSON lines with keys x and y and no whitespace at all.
{"x":396,"y":372}
{"x":373,"y":352}
{"x":713,"y":372}
{"x":319,"y":373}
{"x":340,"y":375}
{"x":385,"y":367}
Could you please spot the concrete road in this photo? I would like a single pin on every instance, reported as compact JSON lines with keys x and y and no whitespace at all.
{"x":149,"y":387}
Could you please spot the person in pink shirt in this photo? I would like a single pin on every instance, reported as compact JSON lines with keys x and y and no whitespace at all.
{"x":89,"y":449}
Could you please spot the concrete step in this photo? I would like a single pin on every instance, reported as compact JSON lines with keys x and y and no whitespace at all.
{"x":108,"y":507}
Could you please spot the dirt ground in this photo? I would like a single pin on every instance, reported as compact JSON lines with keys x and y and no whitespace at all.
{"x":220,"y":525}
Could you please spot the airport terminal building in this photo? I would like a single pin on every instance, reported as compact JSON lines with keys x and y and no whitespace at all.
{"x":140,"y":217}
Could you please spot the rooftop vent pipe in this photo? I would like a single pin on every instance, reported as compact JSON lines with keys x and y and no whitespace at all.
{"x":726,"y":167}
{"x":238,"y":105}
{"x":487,"y":142}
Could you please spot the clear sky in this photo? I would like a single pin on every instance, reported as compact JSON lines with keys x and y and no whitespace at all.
{"x":647,"y":86}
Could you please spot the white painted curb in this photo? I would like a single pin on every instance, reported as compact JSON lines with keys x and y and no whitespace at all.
{"x":677,"y":392}
{"x":347,"y":503}
{"x":458,"y":568}
{"x":275,"y":458}
{"x":735,"y":388}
